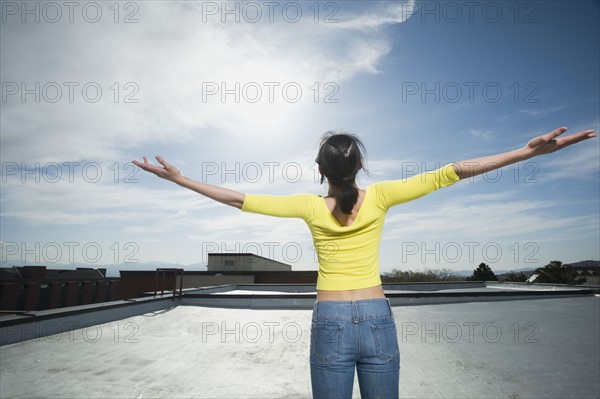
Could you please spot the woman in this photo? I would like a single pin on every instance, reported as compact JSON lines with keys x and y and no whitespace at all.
{"x":352,"y":323}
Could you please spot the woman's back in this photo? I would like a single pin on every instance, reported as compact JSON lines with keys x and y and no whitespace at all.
{"x":347,"y":245}
{"x":342,"y":218}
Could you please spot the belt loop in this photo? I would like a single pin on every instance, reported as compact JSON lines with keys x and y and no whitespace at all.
{"x":316,"y":311}
{"x":355,"y":317}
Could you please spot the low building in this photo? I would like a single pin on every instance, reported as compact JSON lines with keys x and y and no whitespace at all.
{"x":243,"y":262}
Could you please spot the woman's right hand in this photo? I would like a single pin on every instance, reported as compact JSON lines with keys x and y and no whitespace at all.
{"x":167,"y":172}
{"x":170,"y":172}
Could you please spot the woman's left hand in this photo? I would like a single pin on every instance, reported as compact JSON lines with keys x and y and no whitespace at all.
{"x":548,"y":143}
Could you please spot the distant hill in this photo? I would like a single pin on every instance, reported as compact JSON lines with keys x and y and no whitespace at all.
{"x":585,"y":264}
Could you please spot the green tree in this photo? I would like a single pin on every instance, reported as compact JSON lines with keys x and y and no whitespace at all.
{"x":429,"y":275}
{"x":445,"y":274}
{"x":516,"y":277}
{"x":557,"y":273}
{"x":483,"y":273}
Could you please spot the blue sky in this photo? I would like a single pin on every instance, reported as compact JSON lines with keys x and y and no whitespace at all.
{"x":422,"y":83}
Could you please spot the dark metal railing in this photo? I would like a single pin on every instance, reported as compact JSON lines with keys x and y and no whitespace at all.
{"x":164,"y":272}
{"x":27,"y":294}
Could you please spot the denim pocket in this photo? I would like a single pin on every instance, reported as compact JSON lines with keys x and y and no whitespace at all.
{"x":325,"y":341}
{"x":386,"y":339}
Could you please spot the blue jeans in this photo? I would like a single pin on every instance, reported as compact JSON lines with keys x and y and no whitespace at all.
{"x":354,"y":334}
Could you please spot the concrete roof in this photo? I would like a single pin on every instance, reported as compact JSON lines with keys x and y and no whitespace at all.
{"x":530,"y":348}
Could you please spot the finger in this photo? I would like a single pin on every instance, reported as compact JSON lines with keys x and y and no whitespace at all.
{"x":147,"y":166}
{"x":143,"y":167}
{"x":556,"y":132}
{"x":162,"y":161}
{"x":546,"y":138}
{"x":589,"y":133}
{"x":584,"y":134}
{"x":577,"y":137}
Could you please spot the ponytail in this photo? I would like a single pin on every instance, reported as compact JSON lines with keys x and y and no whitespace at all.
{"x":347,"y":196}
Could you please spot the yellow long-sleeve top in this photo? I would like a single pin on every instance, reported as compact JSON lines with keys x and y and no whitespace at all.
{"x":349,"y":255}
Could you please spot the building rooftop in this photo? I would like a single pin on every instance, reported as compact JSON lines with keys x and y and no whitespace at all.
{"x":483,"y":347}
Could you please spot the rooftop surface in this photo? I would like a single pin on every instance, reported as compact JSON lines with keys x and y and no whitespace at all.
{"x":523,"y":348}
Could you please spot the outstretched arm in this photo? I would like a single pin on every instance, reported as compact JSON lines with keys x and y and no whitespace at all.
{"x":544,"y":144}
{"x":171,"y":173}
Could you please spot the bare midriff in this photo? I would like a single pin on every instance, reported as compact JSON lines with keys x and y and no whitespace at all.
{"x":351,"y":295}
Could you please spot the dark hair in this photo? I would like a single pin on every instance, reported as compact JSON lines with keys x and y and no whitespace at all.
{"x":340,"y":158}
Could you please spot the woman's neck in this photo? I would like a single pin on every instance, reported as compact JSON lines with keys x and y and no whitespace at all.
{"x":333,"y":191}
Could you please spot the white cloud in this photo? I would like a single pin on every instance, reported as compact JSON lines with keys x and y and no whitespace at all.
{"x":390,"y":13}
{"x":540,"y":112}
{"x":492,"y":216}
{"x":87,"y":204}
{"x":580,"y":162}
{"x":166,"y":62}
{"x":486,"y":135}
